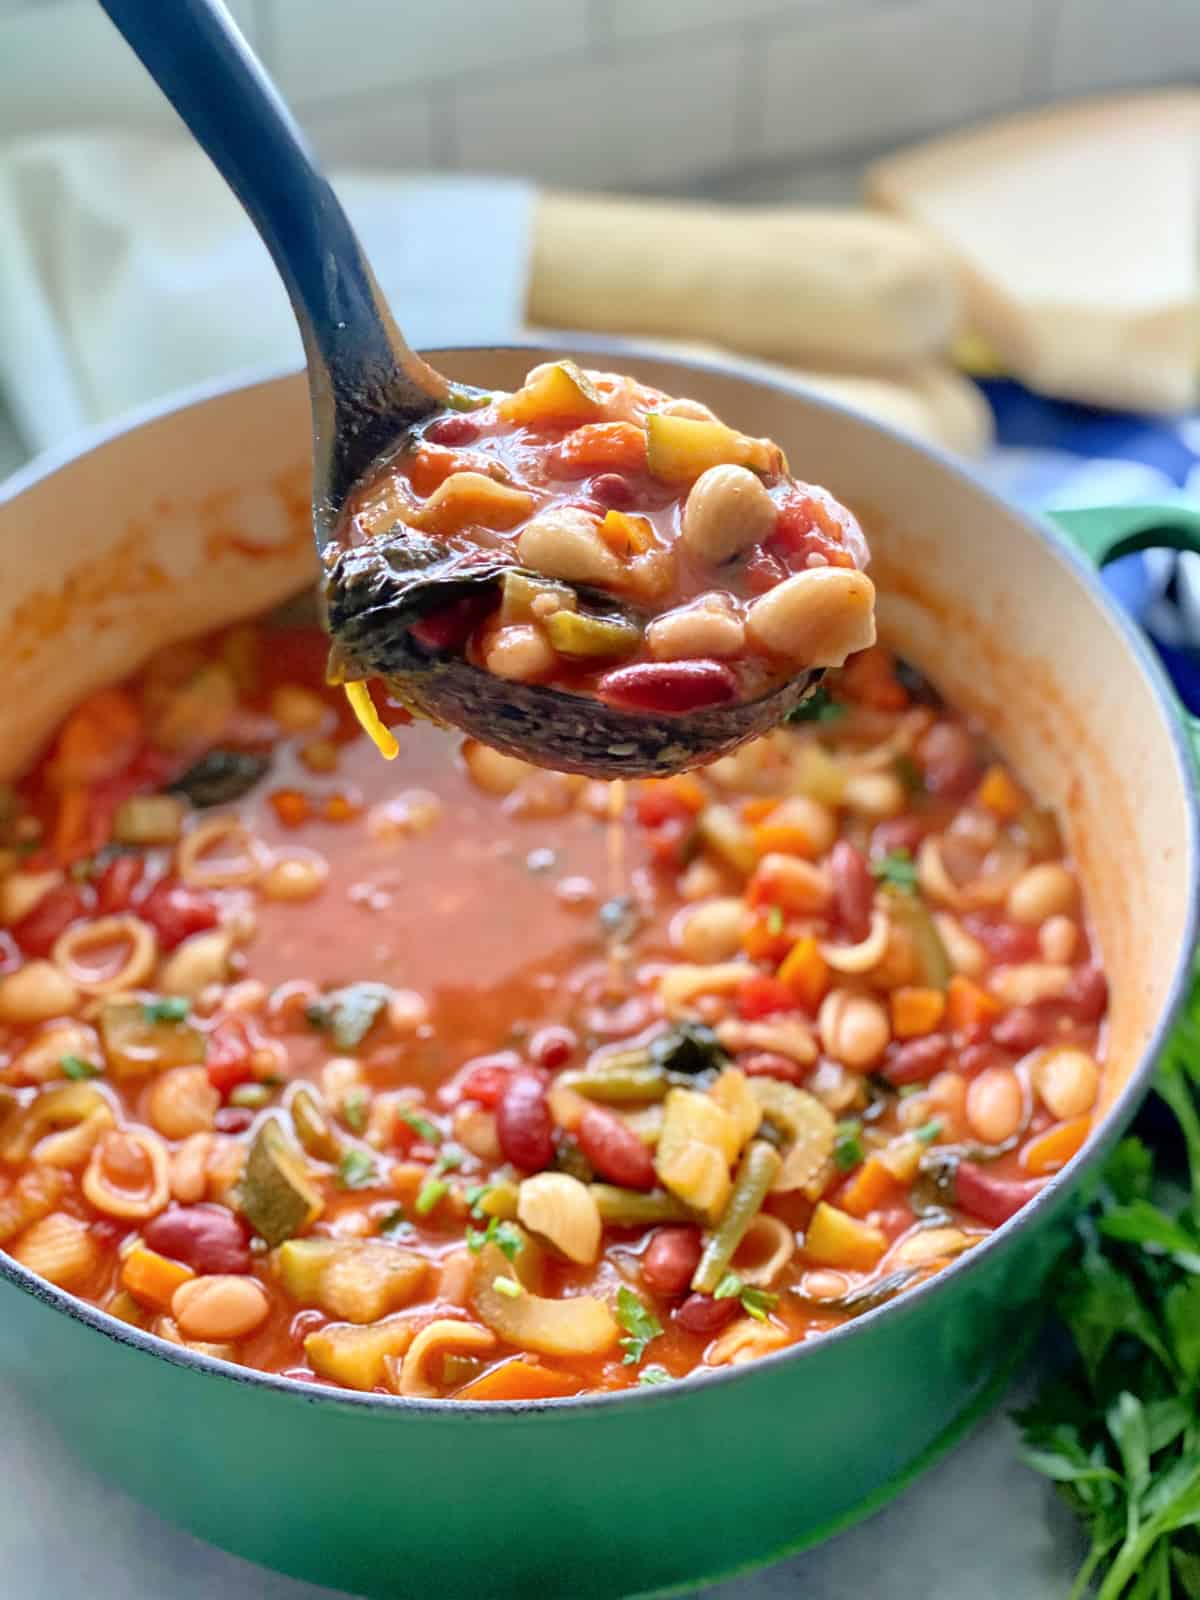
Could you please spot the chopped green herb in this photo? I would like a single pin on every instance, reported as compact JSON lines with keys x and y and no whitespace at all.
{"x":171,"y":1008}
{"x":507,"y":1286}
{"x":688,"y":1047}
{"x":77,"y":1069}
{"x":898,"y":869}
{"x":848,"y":1146}
{"x":775,"y":921}
{"x":349,"y":1014}
{"x":354,"y":1109}
{"x":928,"y":1131}
{"x":729,"y":1287}
{"x":640,"y":1324}
{"x":395,"y":1225}
{"x":755,"y":1302}
{"x":449,"y":1161}
{"x":357,"y":1170}
{"x":475,"y":1197}
{"x":818,"y":707}
{"x":421,"y":1126}
{"x":432,"y":1191}
{"x":654,"y":1374}
{"x":502,"y":1234}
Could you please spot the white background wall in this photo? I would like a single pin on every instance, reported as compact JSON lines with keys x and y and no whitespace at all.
{"x":656,"y":94}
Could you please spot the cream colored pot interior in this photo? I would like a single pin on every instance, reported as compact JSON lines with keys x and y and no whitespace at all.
{"x":201,"y":517}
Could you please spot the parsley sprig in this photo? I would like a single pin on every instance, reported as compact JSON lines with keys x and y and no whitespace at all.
{"x":1119,"y":1431}
{"x":640,"y":1324}
{"x":754,"y":1302}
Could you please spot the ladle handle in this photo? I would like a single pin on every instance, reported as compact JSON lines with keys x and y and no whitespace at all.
{"x":365,"y":381}
{"x":1105,"y":533}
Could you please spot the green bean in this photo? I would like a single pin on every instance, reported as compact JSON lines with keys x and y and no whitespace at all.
{"x":630,"y":1208}
{"x":602,"y":1082}
{"x":759,"y":1168}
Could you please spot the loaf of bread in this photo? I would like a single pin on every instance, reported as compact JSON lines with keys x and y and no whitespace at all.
{"x":820,"y":287}
{"x":1075,"y":230}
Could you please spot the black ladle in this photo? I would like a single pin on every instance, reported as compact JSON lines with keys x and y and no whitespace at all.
{"x":368,"y":391}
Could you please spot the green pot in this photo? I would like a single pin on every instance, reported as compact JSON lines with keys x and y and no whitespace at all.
{"x":660,"y":1489}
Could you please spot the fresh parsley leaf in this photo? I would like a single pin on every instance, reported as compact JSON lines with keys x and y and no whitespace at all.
{"x":654,"y":1374}
{"x":449,"y":1160}
{"x":640,"y":1324}
{"x":421,"y":1126}
{"x":171,"y":1008}
{"x":757,"y":1302}
{"x":395,"y":1225}
{"x":475,"y":1196}
{"x":349,"y":1014}
{"x":729,"y":1288}
{"x":357,"y":1170}
{"x":354,"y":1109}
{"x":928,"y":1131}
{"x":819,"y":706}
{"x":898,"y":869}
{"x":432,"y":1191}
{"x":848,"y":1145}
{"x":77,"y":1069}
{"x":501,"y":1234}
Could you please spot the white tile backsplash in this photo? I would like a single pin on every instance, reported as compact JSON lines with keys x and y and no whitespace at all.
{"x":655,"y":94}
{"x":861,"y":81}
{"x":1108,"y":44}
{"x":624,"y":121}
{"x":327,"y":47}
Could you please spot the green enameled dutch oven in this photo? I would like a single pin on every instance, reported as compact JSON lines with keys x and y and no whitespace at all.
{"x":197,"y":515}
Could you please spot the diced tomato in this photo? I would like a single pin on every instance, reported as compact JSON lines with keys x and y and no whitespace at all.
{"x":228,"y":1058}
{"x":176,"y":912}
{"x":761,"y":996}
{"x":120,"y":878}
{"x":668,"y":844}
{"x":812,"y":522}
{"x":486,"y":1078}
{"x":291,"y":806}
{"x":762,"y":571}
{"x":660,"y":799}
{"x":98,"y":739}
{"x":54,"y":913}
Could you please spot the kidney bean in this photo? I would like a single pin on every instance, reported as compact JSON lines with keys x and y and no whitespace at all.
{"x":948,"y":760}
{"x":233,"y":1119}
{"x":39,"y":929}
{"x":1004,"y":941}
{"x":769,"y":1064}
{"x":453,"y":625}
{"x":976,"y":1058}
{"x":915,"y":1061}
{"x":612,"y":489}
{"x":668,"y":687}
{"x":552,"y":1047}
{"x":853,"y":889}
{"x":898,"y":833}
{"x":176,"y":912}
{"x":700,"y":1313}
{"x":1087,"y":994}
{"x":992,"y":1200}
{"x":523,"y":1122}
{"x":452,"y":430}
{"x":614,"y":1149}
{"x":1024,"y":1028}
{"x":206,"y":1238}
{"x":671,"y":1259}
{"x":485,"y":1078}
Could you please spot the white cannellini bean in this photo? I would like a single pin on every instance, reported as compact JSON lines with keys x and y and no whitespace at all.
{"x":816,"y":618}
{"x":995,"y":1104}
{"x":520,"y":653}
{"x":854,"y":1028}
{"x":564,"y":543}
{"x":1046,"y":890}
{"x":712,"y":930}
{"x":1057,"y":939}
{"x":696,"y":630}
{"x":1067,"y":1081}
{"x":728,"y":510}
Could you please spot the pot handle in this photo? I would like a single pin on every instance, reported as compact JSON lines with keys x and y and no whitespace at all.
{"x":1105,"y":533}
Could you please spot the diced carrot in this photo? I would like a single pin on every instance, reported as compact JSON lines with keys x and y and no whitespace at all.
{"x":967,"y":1004}
{"x":806,"y":973}
{"x":340,"y":808}
{"x":431,"y":465}
{"x":660,"y":799}
{"x":1053,"y":1149}
{"x":1001,"y":794}
{"x":615,"y":446}
{"x":870,"y":678}
{"x":765,"y":936}
{"x":151,"y":1278}
{"x":785,"y":837}
{"x":626,"y":536}
{"x":98,"y":739}
{"x":519,"y":1379}
{"x":290,"y":806}
{"x":758,"y":808}
{"x":869,"y":1189}
{"x":916,"y":1011}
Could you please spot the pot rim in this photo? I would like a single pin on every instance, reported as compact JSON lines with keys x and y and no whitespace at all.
{"x":911,"y":1302}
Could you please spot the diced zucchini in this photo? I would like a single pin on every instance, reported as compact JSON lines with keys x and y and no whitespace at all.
{"x":148,"y":819}
{"x":679,"y":449}
{"x":312,"y":1126}
{"x":135,"y":1042}
{"x":355,"y":1280}
{"x":518,"y":592}
{"x":578,"y":634}
{"x":581,"y":1325}
{"x":276,"y":1195}
{"x":810,"y":1129}
{"x":559,"y":393}
{"x":355,"y":1356}
{"x":836,"y":1239}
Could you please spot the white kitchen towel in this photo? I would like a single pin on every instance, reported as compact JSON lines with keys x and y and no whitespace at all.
{"x":128,"y":270}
